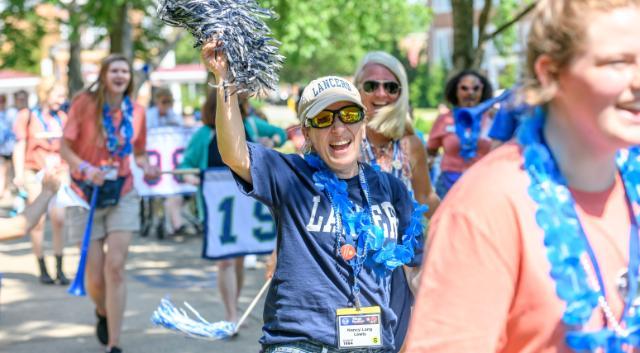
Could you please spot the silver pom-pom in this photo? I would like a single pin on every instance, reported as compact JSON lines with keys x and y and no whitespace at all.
{"x":240,"y":28}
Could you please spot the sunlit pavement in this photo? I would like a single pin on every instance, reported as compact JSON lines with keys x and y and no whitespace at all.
{"x":39,"y":318}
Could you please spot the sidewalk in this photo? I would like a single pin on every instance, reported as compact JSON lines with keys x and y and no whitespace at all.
{"x":39,"y":318}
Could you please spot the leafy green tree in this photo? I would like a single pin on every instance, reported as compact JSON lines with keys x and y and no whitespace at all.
{"x":21,"y":30}
{"x":329,"y":36}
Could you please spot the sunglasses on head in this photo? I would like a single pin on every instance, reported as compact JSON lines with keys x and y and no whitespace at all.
{"x":475,"y":88}
{"x":391,"y":87}
{"x":348,"y":115}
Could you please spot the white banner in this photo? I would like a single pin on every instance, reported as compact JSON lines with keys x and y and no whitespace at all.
{"x":165,"y":147}
{"x":236,"y":224}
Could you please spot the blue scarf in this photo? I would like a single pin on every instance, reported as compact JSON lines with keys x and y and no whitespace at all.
{"x":567,"y":244}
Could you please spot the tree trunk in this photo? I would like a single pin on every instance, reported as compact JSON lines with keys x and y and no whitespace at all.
{"x":75,"y":82}
{"x":120,"y":32}
{"x":463,"y":46}
{"x":483,"y":21}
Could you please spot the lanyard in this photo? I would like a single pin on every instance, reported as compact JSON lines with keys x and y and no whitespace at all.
{"x":357,"y":261}
{"x":53,"y":114}
{"x":634,"y":261}
{"x":395,"y":170}
{"x":634,"y":249}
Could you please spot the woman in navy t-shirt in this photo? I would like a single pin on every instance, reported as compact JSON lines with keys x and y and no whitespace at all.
{"x":342,"y":226}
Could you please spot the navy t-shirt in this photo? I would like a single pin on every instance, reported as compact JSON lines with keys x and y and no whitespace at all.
{"x":310,"y":282}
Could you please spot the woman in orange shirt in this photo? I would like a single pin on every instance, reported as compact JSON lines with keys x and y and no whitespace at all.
{"x":537,"y":248}
{"x":105,"y":127}
{"x":38,"y":132}
{"x":464,"y":90}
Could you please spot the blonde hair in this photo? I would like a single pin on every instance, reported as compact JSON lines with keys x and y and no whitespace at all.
{"x":391,"y":120}
{"x":44,"y":89}
{"x":558,"y":30}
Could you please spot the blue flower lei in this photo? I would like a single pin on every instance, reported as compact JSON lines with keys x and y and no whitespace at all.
{"x":373,"y":250}
{"x":567,"y":244}
{"x":125,"y":128}
{"x":468,"y":133}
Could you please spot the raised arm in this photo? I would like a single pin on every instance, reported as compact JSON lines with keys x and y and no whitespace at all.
{"x":229,"y":126}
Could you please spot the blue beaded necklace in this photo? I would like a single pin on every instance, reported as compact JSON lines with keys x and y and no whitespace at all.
{"x":567,"y":244}
{"x":356,"y":226}
{"x":125,"y":128}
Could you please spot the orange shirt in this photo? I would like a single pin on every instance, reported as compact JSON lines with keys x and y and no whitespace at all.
{"x":39,"y":151}
{"x":486,"y":286}
{"x":443,"y":134}
{"x":88,"y":142}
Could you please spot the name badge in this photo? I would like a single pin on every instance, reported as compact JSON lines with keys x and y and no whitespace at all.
{"x":110,"y":172}
{"x":450,"y":128}
{"x":359,"y":328}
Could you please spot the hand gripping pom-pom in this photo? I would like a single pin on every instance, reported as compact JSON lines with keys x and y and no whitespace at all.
{"x":239,"y":25}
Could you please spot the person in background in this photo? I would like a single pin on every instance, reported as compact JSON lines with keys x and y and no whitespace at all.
{"x":258,"y":128}
{"x":38,"y":135}
{"x":162,"y":114}
{"x":20,"y":100}
{"x":99,"y":155}
{"x":158,"y":116}
{"x":16,"y":227}
{"x":464,"y":90}
{"x":536,"y":248}
{"x":392,"y":145}
{"x":202,"y":153}
{"x":7,"y":140}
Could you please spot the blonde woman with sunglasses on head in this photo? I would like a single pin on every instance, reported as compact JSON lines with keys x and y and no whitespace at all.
{"x":391,"y":144}
{"x":464,"y":90}
{"x":332,"y":214}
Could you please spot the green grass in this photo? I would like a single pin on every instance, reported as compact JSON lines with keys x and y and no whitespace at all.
{"x":424,"y":118}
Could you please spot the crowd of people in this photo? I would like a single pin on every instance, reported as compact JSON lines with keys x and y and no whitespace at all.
{"x":526,"y":247}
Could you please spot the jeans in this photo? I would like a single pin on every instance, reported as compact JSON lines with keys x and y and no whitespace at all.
{"x":314,"y":347}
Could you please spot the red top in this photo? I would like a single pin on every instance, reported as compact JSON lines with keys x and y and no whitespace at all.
{"x":88,"y":143}
{"x":40,"y":151}
{"x":443,"y":134}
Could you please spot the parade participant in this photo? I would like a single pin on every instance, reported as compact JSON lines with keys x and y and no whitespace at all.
{"x":162,"y":115}
{"x":18,"y":226}
{"x":333,"y":215}
{"x":536,"y":249}
{"x":38,"y":133}
{"x":7,"y":140}
{"x":392,"y":145}
{"x":202,"y":153}
{"x":464,"y":90}
{"x":105,"y":127}
{"x":259,"y":129}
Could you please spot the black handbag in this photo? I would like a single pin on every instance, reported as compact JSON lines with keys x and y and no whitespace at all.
{"x":108,"y":193}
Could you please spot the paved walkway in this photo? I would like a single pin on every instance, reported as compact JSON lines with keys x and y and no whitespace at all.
{"x":38,"y":318}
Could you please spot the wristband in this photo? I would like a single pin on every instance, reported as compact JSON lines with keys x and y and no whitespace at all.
{"x":83,"y":167}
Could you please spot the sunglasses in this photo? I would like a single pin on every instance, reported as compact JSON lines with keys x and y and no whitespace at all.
{"x":391,"y":87}
{"x":348,"y":115}
{"x":470,"y":89}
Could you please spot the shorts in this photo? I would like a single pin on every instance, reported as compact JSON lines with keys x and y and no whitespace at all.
{"x":123,"y":217}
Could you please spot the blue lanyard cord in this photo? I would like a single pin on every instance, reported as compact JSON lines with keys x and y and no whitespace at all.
{"x":397,"y":172}
{"x":53,"y":114}
{"x":634,"y":246}
{"x":358,"y":261}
